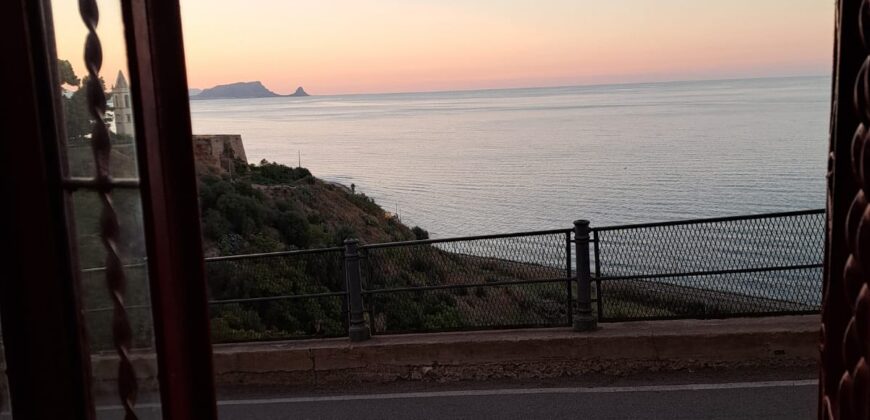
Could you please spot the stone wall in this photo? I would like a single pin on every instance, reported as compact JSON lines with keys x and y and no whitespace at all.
{"x":217,"y":153}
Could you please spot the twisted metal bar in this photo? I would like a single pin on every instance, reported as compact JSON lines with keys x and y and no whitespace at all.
{"x":109,"y":225}
{"x":850,"y":398}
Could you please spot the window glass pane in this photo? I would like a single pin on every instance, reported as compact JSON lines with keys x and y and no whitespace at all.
{"x":95,"y":212}
{"x":98,"y":306}
{"x":70,"y":34}
{"x":96,"y":298}
{"x":369,"y":120}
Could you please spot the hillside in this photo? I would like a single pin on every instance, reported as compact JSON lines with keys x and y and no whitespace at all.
{"x":271,"y":207}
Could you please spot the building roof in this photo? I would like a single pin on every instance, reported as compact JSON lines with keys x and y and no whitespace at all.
{"x":120,"y":82}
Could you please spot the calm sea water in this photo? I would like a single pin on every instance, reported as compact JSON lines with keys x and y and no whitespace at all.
{"x":474,"y":162}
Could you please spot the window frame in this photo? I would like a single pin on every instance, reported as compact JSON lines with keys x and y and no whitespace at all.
{"x":49,"y":371}
{"x":46,"y":353}
{"x":170,"y":200}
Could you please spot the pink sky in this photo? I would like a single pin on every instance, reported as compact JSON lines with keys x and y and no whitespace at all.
{"x":352,"y":46}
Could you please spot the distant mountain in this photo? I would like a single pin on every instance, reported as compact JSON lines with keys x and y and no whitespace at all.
{"x":241,"y":90}
{"x":236,"y":91}
{"x":299,"y":92}
{"x":193,"y":91}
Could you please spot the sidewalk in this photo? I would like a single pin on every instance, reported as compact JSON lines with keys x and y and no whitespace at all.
{"x":617,"y":349}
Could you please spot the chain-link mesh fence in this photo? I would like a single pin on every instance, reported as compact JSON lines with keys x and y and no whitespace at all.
{"x":496,"y":281}
{"x":711,"y":268}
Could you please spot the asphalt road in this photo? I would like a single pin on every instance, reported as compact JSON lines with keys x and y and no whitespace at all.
{"x":782,"y":399}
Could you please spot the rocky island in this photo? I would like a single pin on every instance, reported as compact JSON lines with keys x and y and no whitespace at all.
{"x":241,"y":90}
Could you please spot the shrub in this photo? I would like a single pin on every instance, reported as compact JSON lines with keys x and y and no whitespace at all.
{"x":420,"y":233}
{"x":271,"y":173}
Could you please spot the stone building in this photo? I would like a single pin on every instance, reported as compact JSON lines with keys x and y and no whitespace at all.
{"x":121,"y":107}
{"x":218,"y":153}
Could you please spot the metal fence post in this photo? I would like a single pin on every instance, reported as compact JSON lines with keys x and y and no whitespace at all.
{"x":358,"y":329}
{"x":583,"y":319}
{"x":569,"y":282}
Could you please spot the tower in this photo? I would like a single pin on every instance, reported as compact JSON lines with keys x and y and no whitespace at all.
{"x":122,"y":108}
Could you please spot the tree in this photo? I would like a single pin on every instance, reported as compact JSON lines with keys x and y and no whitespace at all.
{"x":75,"y":106}
{"x":66,"y":74}
{"x":77,"y":118}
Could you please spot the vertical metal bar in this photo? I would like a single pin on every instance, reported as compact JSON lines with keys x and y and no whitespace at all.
{"x":366,"y":267}
{"x":583,"y":321}
{"x":345,"y":309}
{"x":158,"y":84}
{"x":372,"y":304}
{"x":568,"y":279}
{"x":116,"y":279}
{"x":358,"y":330}
{"x":599,"y":294}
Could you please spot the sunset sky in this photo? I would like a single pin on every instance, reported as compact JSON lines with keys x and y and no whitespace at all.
{"x":352,"y":46}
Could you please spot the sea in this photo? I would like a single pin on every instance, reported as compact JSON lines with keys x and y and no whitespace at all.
{"x":508,"y":160}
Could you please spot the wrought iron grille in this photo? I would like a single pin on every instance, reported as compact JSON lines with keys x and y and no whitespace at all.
{"x":105,"y":186}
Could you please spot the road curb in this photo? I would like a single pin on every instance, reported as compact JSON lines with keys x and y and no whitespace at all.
{"x":613,"y":349}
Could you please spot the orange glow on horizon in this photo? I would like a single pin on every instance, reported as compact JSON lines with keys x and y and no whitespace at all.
{"x":345,"y":46}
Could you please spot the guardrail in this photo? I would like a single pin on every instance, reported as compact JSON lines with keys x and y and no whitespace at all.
{"x":707,"y":268}
{"x":477,"y":282}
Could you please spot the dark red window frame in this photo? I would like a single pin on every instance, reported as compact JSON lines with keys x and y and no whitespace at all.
{"x":48,"y":358}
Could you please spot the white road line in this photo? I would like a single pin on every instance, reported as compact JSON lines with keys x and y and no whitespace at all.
{"x":509,"y":391}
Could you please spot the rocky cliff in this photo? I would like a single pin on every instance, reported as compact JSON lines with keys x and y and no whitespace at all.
{"x":299,"y":92}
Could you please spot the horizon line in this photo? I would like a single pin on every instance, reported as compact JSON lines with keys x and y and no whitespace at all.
{"x":666,"y":81}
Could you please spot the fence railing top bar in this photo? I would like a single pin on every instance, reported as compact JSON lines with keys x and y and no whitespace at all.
{"x":277,"y":297}
{"x":467,"y":238}
{"x":710,"y":272}
{"x":126,"y":266}
{"x":711,"y":220}
{"x":505,"y":283}
{"x":275,"y":254}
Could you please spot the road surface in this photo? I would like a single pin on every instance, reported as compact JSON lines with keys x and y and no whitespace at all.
{"x":774,"y":400}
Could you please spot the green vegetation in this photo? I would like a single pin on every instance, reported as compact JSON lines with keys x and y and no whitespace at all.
{"x":78,"y":121}
{"x":420,"y":233}
{"x":271,"y":207}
